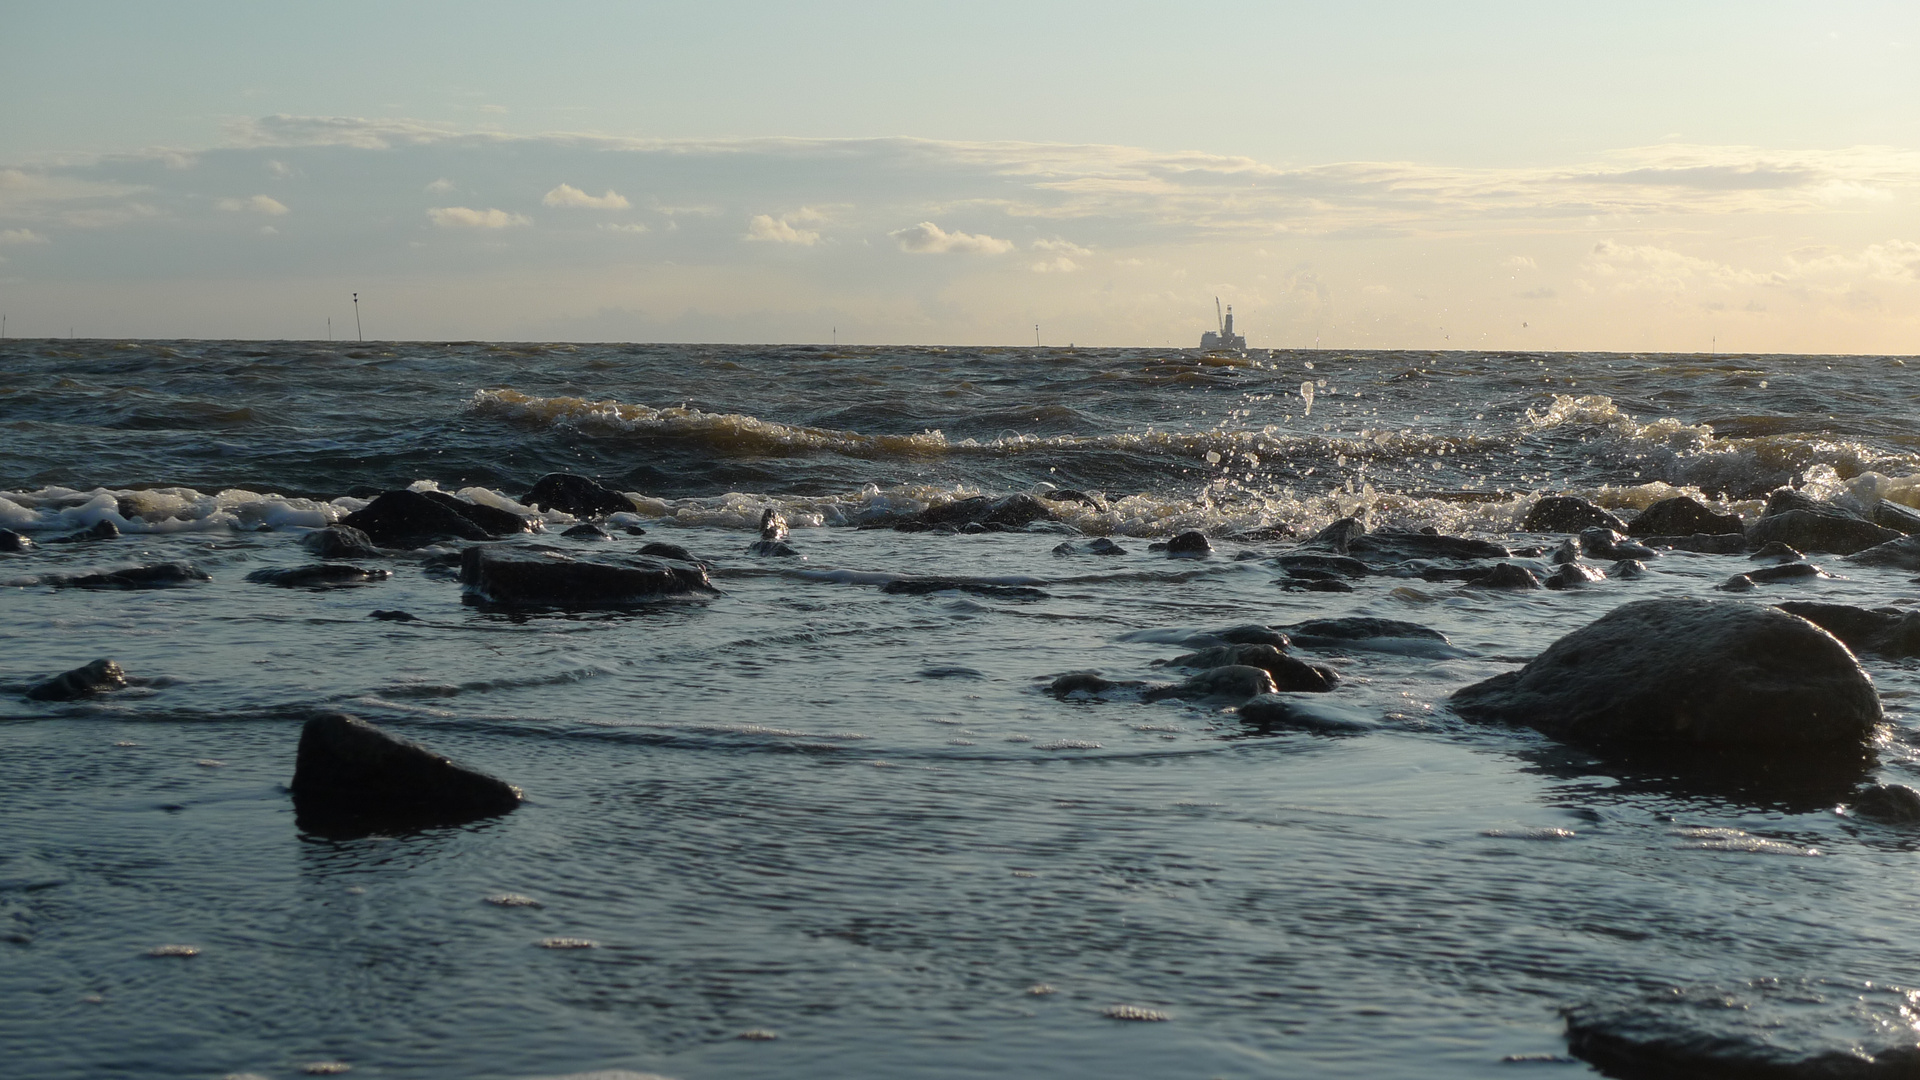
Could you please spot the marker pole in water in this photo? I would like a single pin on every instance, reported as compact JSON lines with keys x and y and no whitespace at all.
{"x":356,"y":318}
{"x":1036,"y":335}
{"x":329,"y":328}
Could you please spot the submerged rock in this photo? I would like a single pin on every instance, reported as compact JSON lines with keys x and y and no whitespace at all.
{"x":1683,"y":515}
{"x":1289,"y":673}
{"x":587,"y":531}
{"x":1088,"y":684}
{"x":1189,"y":545}
{"x":997,"y":589}
{"x":340,"y":542}
{"x":414,"y":519}
{"x":1098,"y":546}
{"x":1794,"y":571}
{"x":1368,"y":634}
{"x":1776,"y":552}
{"x":1703,"y":543}
{"x":99,"y":530}
{"x":548,"y":580}
{"x":1395,"y":545}
{"x":1574,"y":575}
{"x":165,"y":575}
{"x":670,"y":551}
{"x":350,"y":776}
{"x":320,"y":576}
{"x":393,"y":616}
{"x":13,"y":541}
{"x":1827,"y":529}
{"x":1687,"y":672}
{"x":1296,"y":562}
{"x":1318,"y":717}
{"x":95,"y":678}
{"x":1894,"y":804}
{"x":1888,"y":631}
{"x":576,"y":495}
{"x":1010,"y":512}
{"x":1232,"y":683}
{"x":1567,"y":514}
{"x":1505,"y":575}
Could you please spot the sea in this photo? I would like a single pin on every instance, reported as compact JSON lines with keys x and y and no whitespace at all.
{"x":809,"y":828}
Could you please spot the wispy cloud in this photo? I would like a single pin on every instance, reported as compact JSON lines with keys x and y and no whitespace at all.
{"x":568,"y":195}
{"x":21,"y":236}
{"x":461,"y":217}
{"x":257,"y":204}
{"x":765,"y":228}
{"x":927,"y":238}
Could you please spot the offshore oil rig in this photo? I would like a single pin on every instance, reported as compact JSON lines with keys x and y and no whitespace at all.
{"x":1226,"y":340}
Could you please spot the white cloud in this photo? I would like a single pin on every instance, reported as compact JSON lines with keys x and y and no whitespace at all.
{"x":1063,"y":247}
{"x":440,"y":186}
{"x":1061,"y":265}
{"x":461,"y":217}
{"x":568,"y":195}
{"x":258,"y":204}
{"x":927,"y":238}
{"x":280,"y":169}
{"x":21,"y":236}
{"x":769,"y":229}
{"x":623,"y":227}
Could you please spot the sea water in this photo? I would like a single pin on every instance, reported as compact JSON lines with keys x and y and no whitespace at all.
{"x":808,"y":828}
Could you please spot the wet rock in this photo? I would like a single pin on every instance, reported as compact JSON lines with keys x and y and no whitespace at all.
{"x":1894,"y":804}
{"x":996,"y":589}
{"x":1901,"y":554}
{"x":1296,"y":562}
{"x":165,"y":575}
{"x":548,"y":580}
{"x":1781,"y":500}
{"x":1010,"y":512}
{"x":670,"y":551}
{"x":1795,"y":571}
{"x":1506,"y":575}
{"x":1628,"y":570}
{"x":1337,"y":537}
{"x":393,"y":616}
{"x":1777,"y":552}
{"x":1281,"y":711}
{"x":633,"y":530}
{"x":1826,"y":529}
{"x":1737,"y":583}
{"x":773,"y":537}
{"x":1683,"y":515}
{"x":1687,"y":672}
{"x":1568,"y":551}
{"x":1367,"y":634}
{"x":1068,"y":495}
{"x":1289,"y":673}
{"x":1247,"y":634}
{"x":340,"y":542}
{"x":1329,"y":584}
{"x":1104,"y":546}
{"x":576,"y":495}
{"x":587,"y":531}
{"x":496,"y":521}
{"x":1887,"y":631}
{"x":1087,"y":684}
{"x":13,"y":541}
{"x":95,"y":678}
{"x":1892,"y":515}
{"x":1567,"y":514}
{"x":1235,"y":683}
{"x":99,"y":530}
{"x":413,"y":519}
{"x":1704,"y":543}
{"x":1607,"y":544}
{"x":1189,"y":545}
{"x":1573,"y":575}
{"x":1397,"y":545}
{"x":318,"y":576}
{"x":773,"y":549}
{"x":350,"y":776}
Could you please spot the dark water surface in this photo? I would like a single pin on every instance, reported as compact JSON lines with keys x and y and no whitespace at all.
{"x":850,"y":819}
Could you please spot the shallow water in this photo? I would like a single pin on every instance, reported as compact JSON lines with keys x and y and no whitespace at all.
{"x":851,"y":819}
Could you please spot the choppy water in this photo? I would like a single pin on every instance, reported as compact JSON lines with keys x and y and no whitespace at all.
{"x":850,"y":819}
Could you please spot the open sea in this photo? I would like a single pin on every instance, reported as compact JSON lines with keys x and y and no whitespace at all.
{"x":807,"y":828}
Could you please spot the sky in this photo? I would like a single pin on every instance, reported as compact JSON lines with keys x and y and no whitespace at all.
{"x":1740,"y":176}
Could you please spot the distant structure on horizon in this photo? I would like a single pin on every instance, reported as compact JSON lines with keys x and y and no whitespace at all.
{"x":1226,"y":340}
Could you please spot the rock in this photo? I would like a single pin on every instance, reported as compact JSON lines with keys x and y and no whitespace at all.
{"x":1104,"y":546}
{"x":13,"y":541}
{"x":1797,"y":571}
{"x":350,"y":776}
{"x":1314,"y":584}
{"x":1567,"y":552}
{"x":319,"y":576}
{"x":1011,"y":512}
{"x":1294,"y":562}
{"x":496,"y":521}
{"x":393,"y":616}
{"x":1892,"y":515}
{"x":1235,"y":683}
{"x":576,"y":495}
{"x":1737,"y":583}
{"x":999,"y":590}
{"x":1068,"y":495}
{"x":773,"y":525}
{"x":1783,"y":499}
{"x":1574,"y":575}
{"x":1506,"y":575}
{"x":1888,"y":631}
{"x":95,"y":678}
{"x":1775,"y":551}
{"x":152,"y":576}
{"x":1567,"y":514}
{"x":340,"y":542}
{"x":1087,"y":684}
{"x":1687,"y":672}
{"x":1819,"y":530}
{"x":1607,"y":544}
{"x":550,"y":580}
{"x":1894,"y":804}
{"x":633,"y":530}
{"x":411,"y":519}
{"x":1320,"y":718}
{"x":99,"y":530}
{"x":1288,"y":672}
{"x":1628,"y":569}
{"x":1901,"y":554}
{"x":587,"y":531}
{"x":1704,"y":543}
{"x":1189,"y":545}
{"x":1251,"y":634}
{"x":1396,"y":545}
{"x":1337,"y":537}
{"x":1683,"y":515}
{"x":773,"y":549}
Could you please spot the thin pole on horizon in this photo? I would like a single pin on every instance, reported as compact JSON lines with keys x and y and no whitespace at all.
{"x":1036,"y":335}
{"x":329,"y":328}
{"x":357,"y":332}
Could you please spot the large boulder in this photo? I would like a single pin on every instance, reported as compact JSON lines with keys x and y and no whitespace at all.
{"x":538,"y":579}
{"x":95,"y":678}
{"x":1901,"y":554}
{"x":350,"y":776}
{"x":1567,"y":514}
{"x":1010,"y":512}
{"x":340,"y":542}
{"x":575,"y":495}
{"x":1896,"y":516}
{"x":164,"y":575}
{"x":1888,"y":631}
{"x":1683,"y":515}
{"x":1289,"y":673}
{"x":1824,"y":529}
{"x":414,"y":519}
{"x":1687,"y":672}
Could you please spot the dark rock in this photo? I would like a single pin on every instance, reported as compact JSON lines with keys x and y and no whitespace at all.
{"x":1894,"y":804}
{"x":1012,"y":511}
{"x":350,"y":776}
{"x":1328,"y":584}
{"x":1235,"y":683}
{"x":1901,"y":554}
{"x":1893,"y":515}
{"x":1365,"y":634}
{"x":152,"y":576}
{"x":1796,"y":571}
{"x":773,"y":525}
{"x":1567,"y":552}
{"x":319,"y":576}
{"x":1628,"y":569}
{"x":576,"y":495}
{"x":1737,"y":583}
{"x":13,"y":541}
{"x":1265,"y":534}
{"x":1087,"y":683}
{"x":393,"y":616}
{"x":410,"y":519}
{"x":1418,"y":545}
{"x":1574,"y":575}
{"x":1683,"y":515}
{"x":1294,"y":562}
{"x":1687,"y":671}
{"x":1827,"y":529}
{"x":1288,"y":672}
{"x":634,"y":530}
{"x":1775,"y":551}
{"x":773,"y":549}
{"x":1104,"y":546}
{"x":1252,"y":634}
{"x":1888,"y":631}
{"x":496,"y":521}
{"x":99,"y":530}
{"x":1607,"y":544}
{"x":1567,"y":514}
{"x":670,"y":551}
{"x":1704,"y":543}
{"x":1784,"y":499}
{"x":923,"y":586}
{"x":547,"y":580}
{"x":587,"y":531}
{"x":1506,"y":575}
{"x":97,"y":677}
{"x":1279,"y":711}
{"x":340,"y":542}
{"x":1188,"y":545}
{"x":1068,"y":495}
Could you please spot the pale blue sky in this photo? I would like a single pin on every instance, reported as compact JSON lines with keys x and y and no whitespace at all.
{"x":1617,"y":175}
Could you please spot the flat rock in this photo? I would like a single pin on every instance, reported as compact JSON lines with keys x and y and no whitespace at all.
{"x":1284,"y":711}
{"x":549,"y":580}
{"x":1344,"y":565}
{"x":1793,"y":571}
{"x":1367,"y":634}
{"x":1683,"y":515}
{"x":1233,"y":683}
{"x":576,"y":495}
{"x":1687,"y":672}
{"x":1000,"y":590}
{"x":414,"y":519}
{"x":99,"y":530}
{"x":1289,"y":673}
{"x":1819,"y":530}
{"x":1703,"y":543}
{"x":1506,"y":575}
{"x":164,"y":575}
{"x":670,"y":551}
{"x":1901,"y":554}
{"x":1895,"y":516}
{"x":340,"y":542}
{"x":318,"y":576}
{"x":1776,"y":552}
{"x":1567,"y":514}
{"x":1887,"y":631}
{"x":350,"y":776}
{"x":1397,"y":545}
{"x":1009,"y":512}
{"x":95,"y":678}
